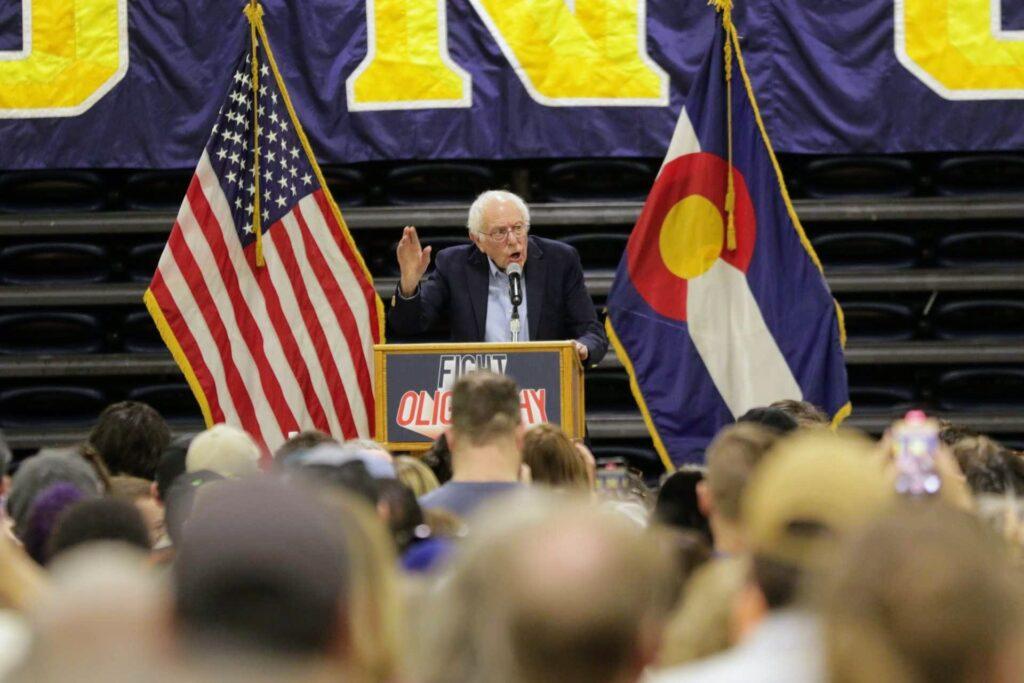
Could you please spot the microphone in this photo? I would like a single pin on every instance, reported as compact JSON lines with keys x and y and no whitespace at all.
{"x":515,"y":283}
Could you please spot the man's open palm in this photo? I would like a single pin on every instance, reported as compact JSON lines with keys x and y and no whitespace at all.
{"x":412,"y":260}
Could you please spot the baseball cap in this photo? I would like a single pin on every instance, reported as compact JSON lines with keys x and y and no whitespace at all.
{"x":811,"y":490}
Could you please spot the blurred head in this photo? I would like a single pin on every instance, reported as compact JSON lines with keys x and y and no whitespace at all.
{"x":130,"y":436}
{"x":44,"y":515}
{"x":223,"y":449}
{"x":181,"y":499}
{"x":770,"y":418}
{"x":677,"y":506}
{"x":262,"y":568}
{"x":485,"y":412}
{"x":732,"y":459}
{"x":373,"y":618}
{"x":805,"y":413}
{"x":499,"y":223}
{"x":171,"y":465}
{"x":139,"y":493}
{"x":99,"y":520}
{"x":553,"y":459}
{"x":415,"y":475}
{"x":401,"y":511}
{"x":988,"y":467}
{"x":547,"y":590}
{"x":813,"y":489}
{"x":42,"y":471}
{"x":439,"y":459}
{"x":303,"y":441}
{"x":703,"y":623}
{"x":5,"y":462}
{"x":102,"y":619}
{"x":924,"y":594}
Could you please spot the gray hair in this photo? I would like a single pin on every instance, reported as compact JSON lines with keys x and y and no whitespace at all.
{"x":475,"y":221}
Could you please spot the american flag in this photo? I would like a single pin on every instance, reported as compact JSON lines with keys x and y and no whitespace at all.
{"x":288,"y":345}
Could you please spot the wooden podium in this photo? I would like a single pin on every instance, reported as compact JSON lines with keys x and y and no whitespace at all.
{"x":412,"y":386}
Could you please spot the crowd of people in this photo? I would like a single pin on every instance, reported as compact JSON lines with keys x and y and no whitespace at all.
{"x":508,"y":555}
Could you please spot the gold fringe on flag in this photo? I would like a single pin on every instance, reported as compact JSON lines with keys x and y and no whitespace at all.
{"x":254,"y":13}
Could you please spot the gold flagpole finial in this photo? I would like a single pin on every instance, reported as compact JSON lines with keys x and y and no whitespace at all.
{"x":254,"y":13}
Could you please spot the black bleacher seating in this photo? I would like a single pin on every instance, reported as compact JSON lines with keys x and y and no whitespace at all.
{"x":54,"y":332}
{"x":982,"y":248}
{"x":597,"y":180}
{"x":844,"y":177}
{"x":142,"y":260}
{"x":599,"y":251}
{"x":348,"y":186}
{"x":437,"y":183}
{"x":860,"y":249}
{"x":52,"y":191}
{"x":173,"y":400}
{"x":156,"y":190}
{"x":980,"y":318}
{"x":139,"y":334}
{"x":608,"y":392}
{"x":51,"y":263}
{"x":882,"y":397}
{"x":50,"y":405}
{"x":981,"y":389}
{"x":879,"y":320}
{"x":980,"y":174}
{"x":388,"y":263}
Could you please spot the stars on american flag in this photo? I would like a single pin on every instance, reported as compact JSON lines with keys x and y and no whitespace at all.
{"x":286,"y":174}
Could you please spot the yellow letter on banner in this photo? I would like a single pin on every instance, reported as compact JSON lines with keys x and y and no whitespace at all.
{"x":959,"y":49}
{"x":407,"y":65}
{"x":74,"y":52}
{"x":594,"y":54}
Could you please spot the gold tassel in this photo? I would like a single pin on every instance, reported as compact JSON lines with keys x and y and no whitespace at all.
{"x":254,"y":12}
{"x":725,"y":7}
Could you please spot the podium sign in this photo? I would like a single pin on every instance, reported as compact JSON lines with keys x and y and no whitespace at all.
{"x":413,"y":382}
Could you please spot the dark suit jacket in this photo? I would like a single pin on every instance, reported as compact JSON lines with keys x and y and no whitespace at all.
{"x":559,"y":306}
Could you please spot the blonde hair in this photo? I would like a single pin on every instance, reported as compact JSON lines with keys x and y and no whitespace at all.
{"x":732,"y":458}
{"x":702,"y":624}
{"x":553,"y":459}
{"x":415,"y":475}
{"x":516,"y":608}
{"x":924,"y":594}
{"x":374,"y":609}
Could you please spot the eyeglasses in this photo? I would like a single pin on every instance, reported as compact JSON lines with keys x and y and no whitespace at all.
{"x":501,"y":235}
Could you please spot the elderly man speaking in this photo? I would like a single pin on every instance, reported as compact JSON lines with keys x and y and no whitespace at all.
{"x":470,"y":283}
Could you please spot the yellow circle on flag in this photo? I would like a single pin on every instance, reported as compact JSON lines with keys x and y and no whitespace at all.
{"x":691,"y":237}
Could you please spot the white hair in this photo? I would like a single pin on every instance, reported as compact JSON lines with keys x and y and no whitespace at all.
{"x":475,"y":222}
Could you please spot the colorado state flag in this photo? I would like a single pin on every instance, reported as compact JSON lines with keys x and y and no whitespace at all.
{"x":714,"y":314}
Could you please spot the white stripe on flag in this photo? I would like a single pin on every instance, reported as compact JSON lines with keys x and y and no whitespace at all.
{"x":285,"y":290}
{"x":192,"y":318}
{"x":293,"y":394}
{"x":734,"y":342}
{"x":684,"y":140}
{"x":343,"y":274}
{"x":192,"y":232}
{"x":338,"y":346}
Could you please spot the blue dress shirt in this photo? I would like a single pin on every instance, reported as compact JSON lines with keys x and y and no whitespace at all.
{"x":499,"y":308}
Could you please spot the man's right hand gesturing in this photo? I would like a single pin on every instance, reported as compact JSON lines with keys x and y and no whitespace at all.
{"x":412,"y":260}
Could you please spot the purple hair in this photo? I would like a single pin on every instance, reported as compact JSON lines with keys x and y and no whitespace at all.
{"x":42,"y":518}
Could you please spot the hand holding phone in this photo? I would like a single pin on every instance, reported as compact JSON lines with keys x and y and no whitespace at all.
{"x":915,"y":441}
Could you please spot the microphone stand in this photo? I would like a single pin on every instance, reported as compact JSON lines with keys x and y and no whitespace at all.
{"x":513,"y":323}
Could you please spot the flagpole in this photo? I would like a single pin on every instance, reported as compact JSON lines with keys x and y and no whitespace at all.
{"x":253,"y":12}
{"x":725,"y":7}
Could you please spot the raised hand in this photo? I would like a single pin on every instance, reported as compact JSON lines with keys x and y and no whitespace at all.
{"x":412,"y":260}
